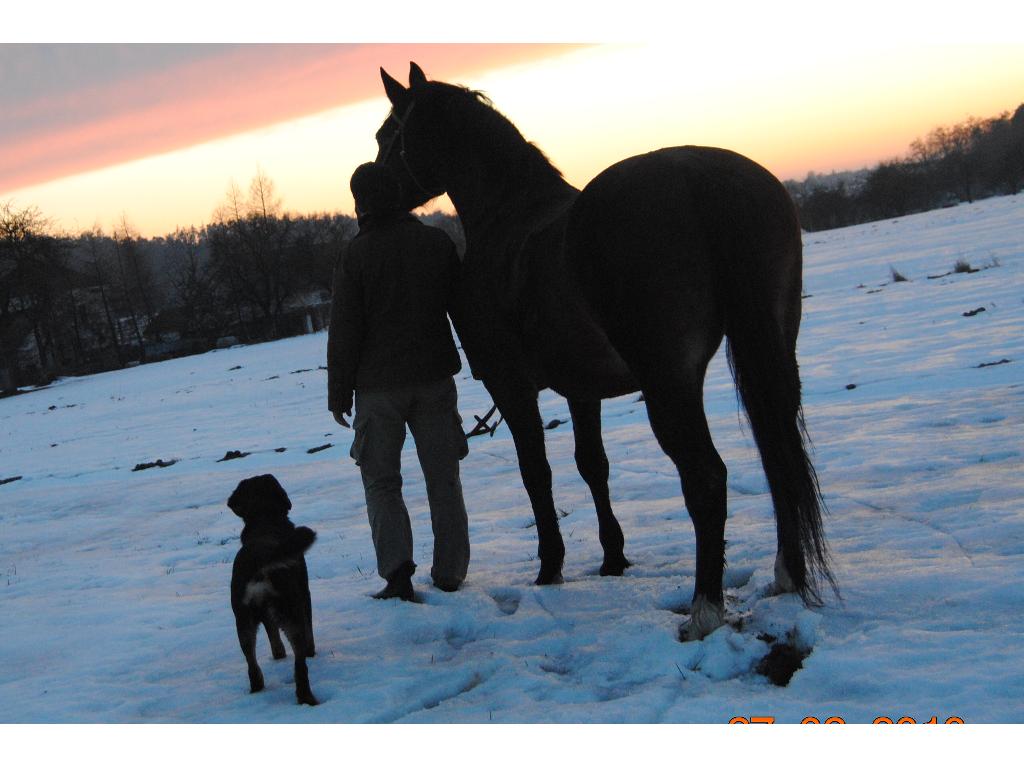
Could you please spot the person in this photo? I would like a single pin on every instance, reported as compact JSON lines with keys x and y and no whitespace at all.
{"x":390,"y":345}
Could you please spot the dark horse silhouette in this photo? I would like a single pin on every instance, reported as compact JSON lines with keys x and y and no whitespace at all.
{"x":627,"y":285}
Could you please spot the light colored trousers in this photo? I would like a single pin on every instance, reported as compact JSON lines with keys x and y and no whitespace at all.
{"x":431,"y":413}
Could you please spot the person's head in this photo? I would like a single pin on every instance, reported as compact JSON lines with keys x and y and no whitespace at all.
{"x":376,"y":189}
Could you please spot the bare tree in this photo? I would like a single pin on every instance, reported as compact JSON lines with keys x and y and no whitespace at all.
{"x":98,"y":263}
{"x":35,"y":283}
{"x":946,"y":154}
{"x":20,"y":232}
{"x":250,"y":242}
{"x":197,"y":291}
{"x":124,"y":254}
{"x":139,"y":275}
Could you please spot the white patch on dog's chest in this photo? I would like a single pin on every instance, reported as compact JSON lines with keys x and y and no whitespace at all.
{"x":258,"y":592}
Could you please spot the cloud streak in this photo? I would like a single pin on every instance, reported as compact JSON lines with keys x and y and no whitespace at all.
{"x":69,"y":109}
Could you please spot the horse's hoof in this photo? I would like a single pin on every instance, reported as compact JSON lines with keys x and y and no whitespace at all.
{"x":307,"y":698}
{"x":545,"y":578}
{"x":705,"y":618}
{"x":783,"y":581}
{"x":614,"y":566}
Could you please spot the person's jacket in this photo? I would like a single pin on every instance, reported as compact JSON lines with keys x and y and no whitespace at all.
{"x":389,"y":324}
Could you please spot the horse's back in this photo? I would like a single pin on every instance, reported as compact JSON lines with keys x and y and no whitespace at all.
{"x":657,"y":241}
{"x":705,"y":193}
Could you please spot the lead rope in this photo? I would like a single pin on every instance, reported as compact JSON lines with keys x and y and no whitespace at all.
{"x":482,"y":427}
{"x":400,"y":135}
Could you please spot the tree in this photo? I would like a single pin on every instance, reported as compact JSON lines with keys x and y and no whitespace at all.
{"x":126,"y":256}
{"x":894,"y":188}
{"x":1000,"y":152}
{"x":37,"y":285}
{"x":945,"y":155}
{"x":198,"y":296}
{"x":99,"y":250}
{"x":250,"y":243}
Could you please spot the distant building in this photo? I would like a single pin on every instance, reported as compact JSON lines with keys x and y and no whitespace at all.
{"x":311,"y":309}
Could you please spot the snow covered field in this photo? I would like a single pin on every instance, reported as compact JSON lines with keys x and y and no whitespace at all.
{"x":114,"y":584}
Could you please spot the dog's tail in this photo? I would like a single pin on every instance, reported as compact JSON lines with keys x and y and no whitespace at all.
{"x":299,"y":541}
{"x":292,"y":544}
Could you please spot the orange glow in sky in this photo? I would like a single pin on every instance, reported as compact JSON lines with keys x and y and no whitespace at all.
{"x":161,"y":147}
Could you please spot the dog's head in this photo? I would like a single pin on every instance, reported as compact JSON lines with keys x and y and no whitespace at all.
{"x":260,"y":498}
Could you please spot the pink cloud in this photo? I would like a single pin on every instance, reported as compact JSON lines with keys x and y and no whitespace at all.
{"x":226,"y":92}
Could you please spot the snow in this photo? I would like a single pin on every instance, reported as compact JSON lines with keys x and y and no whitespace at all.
{"x":114,"y":584}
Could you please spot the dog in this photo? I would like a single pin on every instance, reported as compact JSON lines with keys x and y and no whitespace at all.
{"x":269,"y":580}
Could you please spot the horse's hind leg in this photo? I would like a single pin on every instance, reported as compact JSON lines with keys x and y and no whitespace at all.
{"x":593,"y":467}
{"x":518,"y":405}
{"x":677,"y":416}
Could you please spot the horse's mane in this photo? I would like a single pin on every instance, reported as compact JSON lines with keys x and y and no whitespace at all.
{"x":496,"y":141}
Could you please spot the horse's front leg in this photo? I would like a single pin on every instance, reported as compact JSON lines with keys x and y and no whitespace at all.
{"x":592,"y":464}
{"x":518,"y":404}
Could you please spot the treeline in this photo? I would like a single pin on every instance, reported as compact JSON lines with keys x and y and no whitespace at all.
{"x":72,"y":304}
{"x":960,"y":163}
{"x":97,"y":300}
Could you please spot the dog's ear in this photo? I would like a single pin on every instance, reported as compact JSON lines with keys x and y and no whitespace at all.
{"x":277,"y":493}
{"x":239,"y":500}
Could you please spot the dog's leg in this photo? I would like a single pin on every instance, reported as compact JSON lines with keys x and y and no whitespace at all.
{"x":246,"y":625}
{"x":297,"y":638}
{"x":303,"y":692}
{"x":310,"y":645}
{"x":274,"y":635}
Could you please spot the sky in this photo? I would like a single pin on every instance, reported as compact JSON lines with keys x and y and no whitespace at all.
{"x":154,"y":132}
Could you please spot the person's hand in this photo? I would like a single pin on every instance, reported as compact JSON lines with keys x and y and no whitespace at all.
{"x":342,"y":409}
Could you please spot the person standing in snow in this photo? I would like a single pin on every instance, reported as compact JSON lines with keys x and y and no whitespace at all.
{"x":390,"y":349}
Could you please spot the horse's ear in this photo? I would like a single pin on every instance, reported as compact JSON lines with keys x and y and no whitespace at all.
{"x":416,"y":76}
{"x":395,"y":91}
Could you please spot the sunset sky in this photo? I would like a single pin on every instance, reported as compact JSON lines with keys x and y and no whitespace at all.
{"x":157,"y":132}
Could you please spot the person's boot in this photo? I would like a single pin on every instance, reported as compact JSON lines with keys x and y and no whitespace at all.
{"x":399,"y":584}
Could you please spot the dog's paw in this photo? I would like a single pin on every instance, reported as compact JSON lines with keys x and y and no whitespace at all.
{"x":255,"y":682}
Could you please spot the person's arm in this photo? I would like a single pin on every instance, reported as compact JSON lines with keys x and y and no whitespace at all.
{"x":344,"y":335}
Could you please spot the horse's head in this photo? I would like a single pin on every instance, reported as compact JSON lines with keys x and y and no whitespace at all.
{"x":409,"y":139}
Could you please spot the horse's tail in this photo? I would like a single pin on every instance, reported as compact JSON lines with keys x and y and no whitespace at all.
{"x":763,"y":364}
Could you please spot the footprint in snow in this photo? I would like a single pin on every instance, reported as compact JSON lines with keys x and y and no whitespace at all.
{"x":507,"y":600}
{"x":458,"y":635}
{"x":557,"y":665}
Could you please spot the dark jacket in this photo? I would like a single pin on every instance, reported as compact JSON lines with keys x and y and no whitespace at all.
{"x":389,"y":323}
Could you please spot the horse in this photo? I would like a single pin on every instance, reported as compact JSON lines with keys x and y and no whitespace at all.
{"x":628,"y":285}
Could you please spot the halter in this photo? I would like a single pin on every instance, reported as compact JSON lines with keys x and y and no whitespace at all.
{"x":400,"y":134}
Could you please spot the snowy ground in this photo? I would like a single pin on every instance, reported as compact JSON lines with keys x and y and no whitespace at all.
{"x":114,"y":583}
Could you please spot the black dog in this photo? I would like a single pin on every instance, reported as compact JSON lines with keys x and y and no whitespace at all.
{"x":269,"y":581}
